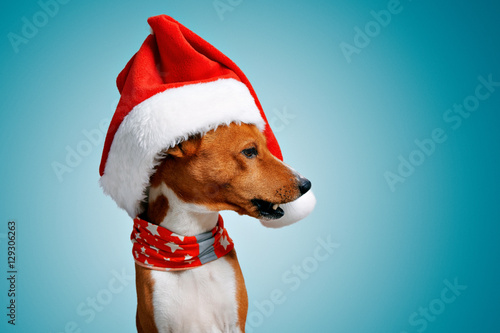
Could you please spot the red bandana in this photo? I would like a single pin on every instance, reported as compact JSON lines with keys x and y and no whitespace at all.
{"x":156,"y":247}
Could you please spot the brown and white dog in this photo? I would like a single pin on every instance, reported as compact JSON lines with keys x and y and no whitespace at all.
{"x":188,"y":139}
{"x":229,"y":168}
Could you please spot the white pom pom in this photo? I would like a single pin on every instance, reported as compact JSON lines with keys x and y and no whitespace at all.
{"x":294,"y":211}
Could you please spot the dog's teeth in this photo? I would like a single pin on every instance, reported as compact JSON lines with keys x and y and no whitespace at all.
{"x":275,"y":206}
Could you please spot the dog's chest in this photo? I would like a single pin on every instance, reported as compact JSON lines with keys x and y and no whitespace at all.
{"x":197,"y":300}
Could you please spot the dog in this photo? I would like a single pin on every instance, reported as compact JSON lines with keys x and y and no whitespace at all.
{"x":189,"y":138}
{"x":227,"y":168}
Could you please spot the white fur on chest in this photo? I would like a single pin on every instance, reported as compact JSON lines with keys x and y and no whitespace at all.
{"x":196,"y":300}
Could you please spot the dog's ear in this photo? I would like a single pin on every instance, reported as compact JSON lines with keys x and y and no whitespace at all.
{"x":185,"y":148}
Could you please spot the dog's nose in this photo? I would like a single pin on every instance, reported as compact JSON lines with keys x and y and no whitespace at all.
{"x":304,"y":185}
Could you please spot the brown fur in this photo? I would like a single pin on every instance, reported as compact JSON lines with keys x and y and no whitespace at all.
{"x":211,"y":170}
{"x":158,"y":209}
{"x":145,"y":314}
{"x":241,"y":290}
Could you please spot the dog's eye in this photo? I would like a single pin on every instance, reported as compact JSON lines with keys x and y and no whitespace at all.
{"x":249,"y":152}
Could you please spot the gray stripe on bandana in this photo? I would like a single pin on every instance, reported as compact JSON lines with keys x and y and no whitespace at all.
{"x":206,"y":243}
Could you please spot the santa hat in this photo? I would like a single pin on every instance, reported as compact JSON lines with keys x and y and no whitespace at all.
{"x":175,"y":86}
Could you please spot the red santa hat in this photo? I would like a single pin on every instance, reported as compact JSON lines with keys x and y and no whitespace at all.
{"x":175,"y":86}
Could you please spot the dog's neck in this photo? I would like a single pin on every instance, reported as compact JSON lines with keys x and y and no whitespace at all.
{"x":183,"y":218}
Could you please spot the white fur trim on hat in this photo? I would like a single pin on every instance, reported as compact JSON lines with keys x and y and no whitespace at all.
{"x":161,"y":122}
{"x":294,"y":211}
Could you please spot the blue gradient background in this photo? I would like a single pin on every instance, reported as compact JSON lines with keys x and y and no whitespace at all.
{"x":352,"y":121}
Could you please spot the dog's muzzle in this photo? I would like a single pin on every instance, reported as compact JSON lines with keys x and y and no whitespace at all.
{"x":272,"y":211}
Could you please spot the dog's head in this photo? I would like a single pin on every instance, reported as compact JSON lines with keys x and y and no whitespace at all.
{"x":230,"y":168}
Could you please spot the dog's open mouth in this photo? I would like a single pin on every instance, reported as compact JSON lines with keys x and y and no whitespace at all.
{"x":267,"y":209}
